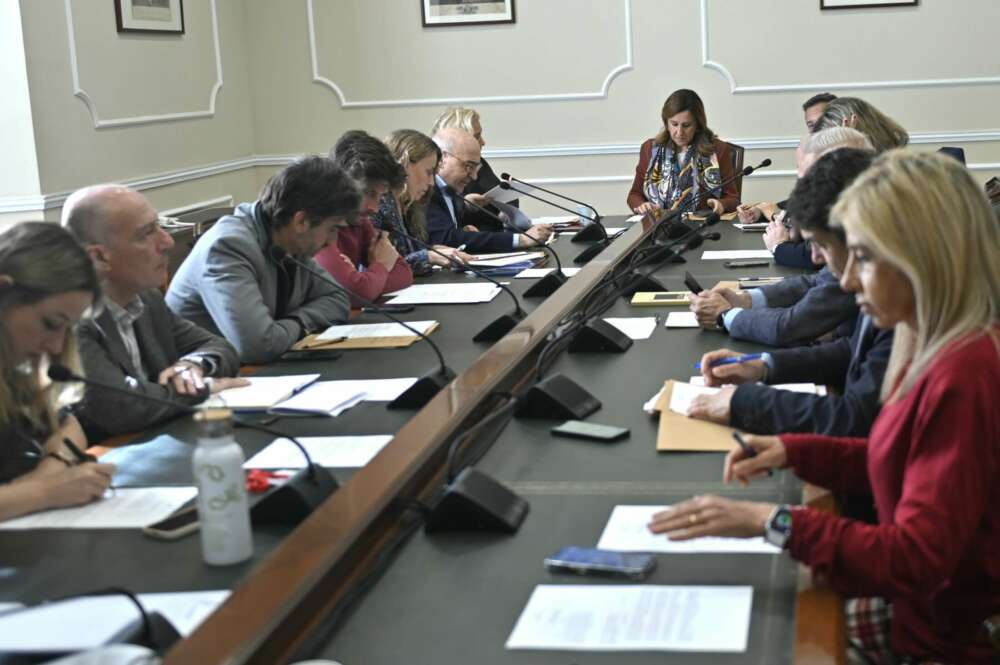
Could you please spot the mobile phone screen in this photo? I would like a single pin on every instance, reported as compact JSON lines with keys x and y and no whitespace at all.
{"x":692,"y":283}
{"x":669,"y":295}
{"x":584,"y":430}
{"x":589,"y":559}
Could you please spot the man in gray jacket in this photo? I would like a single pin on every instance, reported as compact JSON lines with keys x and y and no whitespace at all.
{"x":136,"y":342}
{"x":239,"y":281}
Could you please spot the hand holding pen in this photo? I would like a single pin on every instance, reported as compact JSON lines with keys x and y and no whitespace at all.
{"x":754,"y":456}
{"x":727,"y":366}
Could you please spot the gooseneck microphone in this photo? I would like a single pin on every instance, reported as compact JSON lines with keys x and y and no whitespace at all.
{"x":508,"y":177}
{"x":427,"y":385}
{"x":547,"y":285}
{"x":288,"y":504}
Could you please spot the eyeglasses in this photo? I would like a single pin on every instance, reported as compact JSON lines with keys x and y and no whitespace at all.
{"x":470,"y":167}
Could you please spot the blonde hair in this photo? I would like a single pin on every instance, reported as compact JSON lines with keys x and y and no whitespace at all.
{"x":924,"y":214}
{"x":835,"y":138}
{"x":883,"y":132}
{"x":456,"y":116}
{"x":409,"y":145}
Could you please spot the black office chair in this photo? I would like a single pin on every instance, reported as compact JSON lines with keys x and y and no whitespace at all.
{"x":737,"y":152}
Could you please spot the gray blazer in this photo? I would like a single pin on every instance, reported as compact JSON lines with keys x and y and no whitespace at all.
{"x":229,"y":284}
{"x":163,"y":339}
{"x":799,"y":309}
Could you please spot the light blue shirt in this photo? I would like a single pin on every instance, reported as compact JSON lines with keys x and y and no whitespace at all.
{"x":443,"y":186}
{"x":757,"y":301}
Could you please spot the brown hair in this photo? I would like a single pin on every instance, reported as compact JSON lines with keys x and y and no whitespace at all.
{"x":678,"y":102}
{"x":413,"y":146}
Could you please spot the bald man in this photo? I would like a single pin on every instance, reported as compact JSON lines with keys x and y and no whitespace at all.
{"x":460,"y":162}
{"x":137,"y":342}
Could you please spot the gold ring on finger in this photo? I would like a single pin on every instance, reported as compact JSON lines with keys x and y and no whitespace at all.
{"x":693,"y":518}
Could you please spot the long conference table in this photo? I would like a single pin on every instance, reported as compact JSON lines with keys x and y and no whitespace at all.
{"x":359,"y":581}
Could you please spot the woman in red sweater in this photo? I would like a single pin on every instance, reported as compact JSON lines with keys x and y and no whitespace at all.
{"x":685,"y":164}
{"x":924,"y":248}
{"x":364,"y":260}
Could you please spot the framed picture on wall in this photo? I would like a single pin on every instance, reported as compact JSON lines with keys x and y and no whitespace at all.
{"x":465,"y":12}
{"x":166,"y":16}
{"x":862,"y":4}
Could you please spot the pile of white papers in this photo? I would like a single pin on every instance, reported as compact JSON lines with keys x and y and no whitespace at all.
{"x":681,"y":320}
{"x":635,"y":327}
{"x":683,"y":393}
{"x":560,"y":220}
{"x":500,"y":260}
{"x":369,"y":330}
{"x":535,"y":273}
{"x":328,"y":451}
{"x":124,"y":508}
{"x":323,"y":398}
{"x":710,"y":255}
{"x":444,"y":294}
{"x":650,"y":405}
{"x":626,"y":531}
{"x":262,"y":393}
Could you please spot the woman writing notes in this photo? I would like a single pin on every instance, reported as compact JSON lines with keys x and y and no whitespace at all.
{"x":47,"y":283}
{"x":923,"y":247}
{"x":684,"y":165}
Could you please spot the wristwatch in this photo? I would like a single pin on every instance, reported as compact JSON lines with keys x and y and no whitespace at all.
{"x":778,"y":528}
{"x":720,"y":322}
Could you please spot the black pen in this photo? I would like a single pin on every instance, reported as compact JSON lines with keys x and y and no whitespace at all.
{"x":81,"y":457}
{"x":747,"y":450}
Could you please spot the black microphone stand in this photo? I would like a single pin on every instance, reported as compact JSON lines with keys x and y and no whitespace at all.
{"x":587,"y":233}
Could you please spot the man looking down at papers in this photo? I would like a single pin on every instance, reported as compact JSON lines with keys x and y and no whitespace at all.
{"x":855,"y":365}
{"x":137,"y":341}
{"x":922,"y":246}
{"x":232,"y":282}
{"x":460,"y":162}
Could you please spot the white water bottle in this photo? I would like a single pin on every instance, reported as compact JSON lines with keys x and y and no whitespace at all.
{"x":222,"y":496}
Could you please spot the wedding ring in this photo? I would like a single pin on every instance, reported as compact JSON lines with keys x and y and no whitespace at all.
{"x":693,"y":518}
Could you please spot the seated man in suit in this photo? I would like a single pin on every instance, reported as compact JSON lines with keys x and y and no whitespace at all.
{"x":137,"y":342}
{"x":460,"y":162}
{"x":240,"y":280}
{"x":363,"y":259}
{"x":855,"y":365}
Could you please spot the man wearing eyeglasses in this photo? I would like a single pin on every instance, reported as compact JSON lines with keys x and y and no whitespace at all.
{"x":460,"y":161}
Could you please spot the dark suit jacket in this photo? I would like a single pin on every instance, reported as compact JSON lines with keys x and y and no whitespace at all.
{"x":441,"y":230}
{"x":485,"y":180}
{"x":795,"y":255}
{"x":163,"y":339}
{"x":854,"y":365}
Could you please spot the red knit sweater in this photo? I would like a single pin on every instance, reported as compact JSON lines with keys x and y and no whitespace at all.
{"x":374,"y":280}
{"x":932,"y":461}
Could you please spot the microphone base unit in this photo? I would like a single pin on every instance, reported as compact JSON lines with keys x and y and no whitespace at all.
{"x":499,"y":327}
{"x":599,"y":336}
{"x":293,"y":501}
{"x":647,"y":283}
{"x":589,"y":253}
{"x":476,"y":502}
{"x":557,"y":397}
{"x":424,"y":390}
{"x":546,"y":286}
{"x":589,"y":233}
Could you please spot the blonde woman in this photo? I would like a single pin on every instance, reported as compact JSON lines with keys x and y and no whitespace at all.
{"x":883,"y":132}
{"x":923,"y":259}
{"x":404,"y":211}
{"x":47,"y":283}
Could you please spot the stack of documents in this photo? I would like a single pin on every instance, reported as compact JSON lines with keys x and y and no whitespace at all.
{"x":262,"y":393}
{"x":501,"y":260}
{"x":444,"y":294}
{"x":341,"y":452}
{"x":123,"y":508}
{"x":374,"y":330}
{"x":560,"y":222}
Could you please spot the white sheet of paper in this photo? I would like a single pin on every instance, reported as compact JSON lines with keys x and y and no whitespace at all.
{"x":535,"y":273}
{"x":375,"y":390}
{"x":58,"y":627}
{"x":322,"y":398}
{"x":640,"y":327}
{"x":612,"y":617}
{"x":614,"y":229}
{"x":626,"y":532}
{"x":507,"y":195}
{"x":710,"y":255}
{"x":633,"y":219}
{"x":367,"y":330}
{"x":683,"y":393}
{"x":342,"y":452}
{"x":557,"y":219}
{"x":486,"y":261}
{"x":262,"y":393}
{"x":125,"y":508}
{"x":681,"y":320}
{"x":445,"y":294}
{"x":756,"y":226}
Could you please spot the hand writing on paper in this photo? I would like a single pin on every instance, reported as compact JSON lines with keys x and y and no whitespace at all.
{"x":713,"y":408}
{"x":717,"y":375}
{"x":770,"y":455}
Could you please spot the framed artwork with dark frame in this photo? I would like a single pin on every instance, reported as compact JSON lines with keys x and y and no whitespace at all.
{"x":162,"y":16}
{"x":865,"y":4}
{"x":436,"y":13}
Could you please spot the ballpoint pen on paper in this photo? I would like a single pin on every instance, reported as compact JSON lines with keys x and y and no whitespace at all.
{"x":734,"y":360}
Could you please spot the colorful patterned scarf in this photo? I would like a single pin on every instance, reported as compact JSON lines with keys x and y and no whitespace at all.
{"x":671,"y":180}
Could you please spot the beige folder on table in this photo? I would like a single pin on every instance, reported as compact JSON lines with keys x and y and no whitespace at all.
{"x":310,"y":342}
{"x":680,"y":433}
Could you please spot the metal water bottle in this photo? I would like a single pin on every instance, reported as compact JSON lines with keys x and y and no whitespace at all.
{"x":222,"y":496}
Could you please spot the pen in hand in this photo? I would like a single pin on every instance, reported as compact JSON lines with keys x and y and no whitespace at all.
{"x":734,"y":360}
{"x":747,"y":450}
{"x":81,"y":457}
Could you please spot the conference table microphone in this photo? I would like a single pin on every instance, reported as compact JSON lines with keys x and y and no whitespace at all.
{"x":587,"y":254}
{"x":289,"y":503}
{"x":585,"y":235}
{"x":427,"y":385}
{"x":497,"y":328}
{"x":547,"y":285}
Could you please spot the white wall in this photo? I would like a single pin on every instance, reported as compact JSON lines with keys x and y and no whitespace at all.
{"x":566,"y":94}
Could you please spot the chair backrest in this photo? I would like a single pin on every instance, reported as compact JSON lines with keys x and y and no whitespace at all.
{"x":737,"y":151}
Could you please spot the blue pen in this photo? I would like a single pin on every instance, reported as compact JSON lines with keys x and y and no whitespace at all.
{"x":734,"y":360}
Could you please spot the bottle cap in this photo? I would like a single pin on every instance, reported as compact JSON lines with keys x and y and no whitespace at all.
{"x":214,"y":423}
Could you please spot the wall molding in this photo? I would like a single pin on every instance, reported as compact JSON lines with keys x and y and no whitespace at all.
{"x":451,"y":101}
{"x":91,"y":105}
{"x":735,"y":88}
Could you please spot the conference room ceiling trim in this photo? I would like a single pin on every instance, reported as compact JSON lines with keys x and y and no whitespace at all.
{"x":467,"y":101}
{"x":735,"y":88}
{"x":107,"y":123}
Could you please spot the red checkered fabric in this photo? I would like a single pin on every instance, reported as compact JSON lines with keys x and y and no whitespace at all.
{"x":868,"y":623}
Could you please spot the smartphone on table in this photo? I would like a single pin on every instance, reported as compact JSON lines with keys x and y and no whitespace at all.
{"x":578,"y":429}
{"x":180,"y":523}
{"x":592,"y":561}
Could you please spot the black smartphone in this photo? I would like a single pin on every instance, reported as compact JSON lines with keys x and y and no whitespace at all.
{"x":592,"y":561}
{"x":388,"y":307}
{"x":578,"y":429}
{"x":692,"y":283}
{"x":306,"y":354}
{"x":747,"y":264}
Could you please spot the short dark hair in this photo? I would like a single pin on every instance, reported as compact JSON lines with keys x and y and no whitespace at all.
{"x":367,"y":160}
{"x":314,"y":185}
{"x":821,"y":98}
{"x":816,"y":192}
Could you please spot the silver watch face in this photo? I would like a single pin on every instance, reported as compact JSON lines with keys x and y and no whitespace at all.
{"x":779,"y":527}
